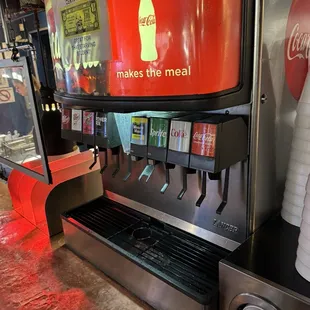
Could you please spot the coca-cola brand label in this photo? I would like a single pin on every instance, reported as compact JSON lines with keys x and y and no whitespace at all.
{"x":66,"y":119}
{"x":204,"y":139}
{"x":297,"y":46}
{"x":76,"y":120}
{"x":158,"y":135}
{"x":88,"y":123}
{"x":148,"y":20}
{"x":180,"y":133}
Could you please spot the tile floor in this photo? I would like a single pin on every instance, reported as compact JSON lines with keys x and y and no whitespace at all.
{"x":37,"y":273}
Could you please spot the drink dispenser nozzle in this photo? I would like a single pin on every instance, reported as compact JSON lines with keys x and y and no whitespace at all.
{"x":168,"y":167}
{"x":203,"y":189}
{"x":95,"y":146}
{"x":222,"y":206}
{"x":149,"y":169}
{"x":129,"y":168}
{"x":116,"y":152}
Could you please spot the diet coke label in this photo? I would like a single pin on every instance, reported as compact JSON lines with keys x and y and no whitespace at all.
{"x":77,"y":120}
{"x":180,"y":134}
{"x":204,"y":139}
{"x":297,"y":46}
{"x":66,"y":119}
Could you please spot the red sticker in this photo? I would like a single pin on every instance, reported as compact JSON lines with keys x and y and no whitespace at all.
{"x":204,"y":139}
{"x":297,"y":46}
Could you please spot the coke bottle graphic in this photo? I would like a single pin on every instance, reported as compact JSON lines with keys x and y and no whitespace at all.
{"x":147,"y":29}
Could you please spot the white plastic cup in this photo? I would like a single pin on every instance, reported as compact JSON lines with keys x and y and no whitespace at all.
{"x":299,"y":168}
{"x":290,"y":218}
{"x":305,"y":95}
{"x":294,"y":210}
{"x":303,"y":256}
{"x":297,"y":178}
{"x":301,"y":157}
{"x":304,"y":241}
{"x":295,"y":188}
{"x":305,"y":230}
{"x":301,"y":145}
{"x":303,"y":270}
{"x":303,"y":108}
{"x":302,"y":121}
{"x":296,"y":200}
{"x":303,"y":134}
{"x":306,"y":215}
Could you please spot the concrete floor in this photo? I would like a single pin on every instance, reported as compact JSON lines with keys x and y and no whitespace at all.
{"x":37,"y":273}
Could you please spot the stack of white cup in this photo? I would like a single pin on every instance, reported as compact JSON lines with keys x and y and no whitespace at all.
{"x":299,"y":165}
{"x":303,"y":251}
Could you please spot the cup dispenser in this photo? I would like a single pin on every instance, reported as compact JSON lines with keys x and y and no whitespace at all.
{"x":218,"y":142}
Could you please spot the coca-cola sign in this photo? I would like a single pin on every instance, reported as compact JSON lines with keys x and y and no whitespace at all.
{"x":297,"y":46}
{"x":180,"y":133}
{"x":148,"y":20}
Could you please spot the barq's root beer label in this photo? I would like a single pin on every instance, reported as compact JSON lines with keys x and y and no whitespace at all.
{"x":139,"y":130}
{"x":77,"y":120}
{"x":204,"y":139}
{"x":180,"y":134}
{"x":297,"y":46}
{"x":66,"y":119}
{"x":88,"y":122}
{"x":158,"y":135}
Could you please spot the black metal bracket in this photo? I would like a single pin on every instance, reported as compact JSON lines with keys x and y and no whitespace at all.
{"x":116,"y":152}
{"x":128,"y":175}
{"x":203,"y":189}
{"x":106,"y":161}
{"x":185,"y":172}
{"x":225,"y":193}
{"x":168,"y":167}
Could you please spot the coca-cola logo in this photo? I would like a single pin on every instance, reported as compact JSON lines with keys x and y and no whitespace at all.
{"x":179,"y":133}
{"x":158,"y":133}
{"x":147,"y":20}
{"x":205,"y":137}
{"x":297,"y":46}
{"x":65,"y":119}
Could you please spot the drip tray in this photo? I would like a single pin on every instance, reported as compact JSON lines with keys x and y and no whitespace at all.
{"x":164,"y":266}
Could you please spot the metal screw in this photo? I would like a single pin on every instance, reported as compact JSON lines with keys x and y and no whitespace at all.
{"x":263,"y":99}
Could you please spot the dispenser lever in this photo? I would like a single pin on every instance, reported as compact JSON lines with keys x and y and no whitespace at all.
{"x":225,"y":193}
{"x":96,"y":152}
{"x":203,"y":189}
{"x":148,"y":171}
{"x":166,"y":185}
{"x":105,"y":161}
{"x":115,"y":152}
{"x":185,"y":172}
{"x":128,"y":175}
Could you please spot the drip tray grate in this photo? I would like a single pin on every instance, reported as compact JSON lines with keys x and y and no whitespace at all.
{"x":186,"y":262}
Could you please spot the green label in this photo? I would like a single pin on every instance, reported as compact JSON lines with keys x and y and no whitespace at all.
{"x":82,"y":18}
{"x":158,"y":135}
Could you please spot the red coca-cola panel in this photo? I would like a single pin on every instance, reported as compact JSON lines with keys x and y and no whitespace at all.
{"x":175,"y":47}
{"x":204,"y":139}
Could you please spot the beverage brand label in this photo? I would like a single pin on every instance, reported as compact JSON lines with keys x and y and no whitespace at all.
{"x":139,"y":130}
{"x":77,"y":120}
{"x":101,"y":125}
{"x":159,"y":131}
{"x":88,"y":122}
{"x":297,"y":46}
{"x":146,"y":47}
{"x":180,"y":136}
{"x":204,"y":139}
{"x":66,"y":119}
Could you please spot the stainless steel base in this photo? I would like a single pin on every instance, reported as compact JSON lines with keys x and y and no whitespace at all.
{"x":140,"y":282}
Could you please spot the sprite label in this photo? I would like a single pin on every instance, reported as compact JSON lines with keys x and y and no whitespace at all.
{"x":158,"y":134}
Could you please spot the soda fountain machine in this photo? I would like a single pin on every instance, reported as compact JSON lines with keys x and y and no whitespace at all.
{"x":168,"y":92}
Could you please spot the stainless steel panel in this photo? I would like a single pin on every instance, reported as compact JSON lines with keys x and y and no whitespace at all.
{"x":231,"y":224}
{"x":73,"y":193}
{"x":234,"y":282}
{"x":143,"y":284}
